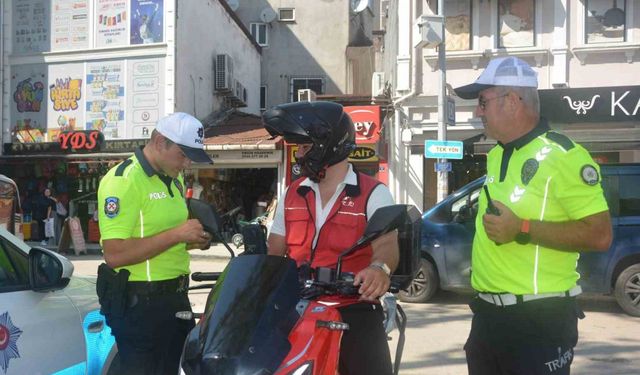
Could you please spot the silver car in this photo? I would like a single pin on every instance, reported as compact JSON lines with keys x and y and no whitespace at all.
{"x":50,"y":321}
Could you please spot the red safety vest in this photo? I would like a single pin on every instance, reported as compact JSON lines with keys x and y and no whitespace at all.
{"x":344,"y":225}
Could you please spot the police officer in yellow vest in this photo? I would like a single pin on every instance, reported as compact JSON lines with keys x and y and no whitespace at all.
{"x":145,"y":234}
{"x":542,"y":203}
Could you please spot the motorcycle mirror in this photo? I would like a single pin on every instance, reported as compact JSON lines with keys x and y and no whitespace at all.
{"x":209,"y":218}
{"x":383,"y":221}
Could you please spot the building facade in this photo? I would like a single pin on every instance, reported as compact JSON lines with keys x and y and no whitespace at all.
{"x":586,"y":54}
{"x":84,"y":82}
{"x":323,"y":46}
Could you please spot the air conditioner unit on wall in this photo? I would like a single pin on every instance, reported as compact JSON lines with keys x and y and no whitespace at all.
{"x":223,"y":82}
{"x":377,"y":84}
{"x":306,"y":95}
{"x":238,"y":96}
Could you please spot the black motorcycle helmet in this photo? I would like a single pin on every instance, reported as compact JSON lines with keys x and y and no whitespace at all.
{"x":323,"y":124}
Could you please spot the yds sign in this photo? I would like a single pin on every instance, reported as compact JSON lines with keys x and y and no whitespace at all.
{"x":89,"y":140}
{"x":366,"y":120}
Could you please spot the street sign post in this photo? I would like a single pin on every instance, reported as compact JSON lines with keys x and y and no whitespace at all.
{"x":442,"y":167}
{"x":451,"y":111}
{"x":443,"y":149}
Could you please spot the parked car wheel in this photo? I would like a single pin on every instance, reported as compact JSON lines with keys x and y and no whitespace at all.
{"x":627,"y":290}
{"x":424,"y":286}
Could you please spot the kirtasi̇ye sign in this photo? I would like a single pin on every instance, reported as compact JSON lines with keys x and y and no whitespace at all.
{"x":366,"y":120}
{"x":591,"y":104}
{"x":87,"y":143}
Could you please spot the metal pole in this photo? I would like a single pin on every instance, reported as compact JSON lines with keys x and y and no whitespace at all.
{"x":443,"y":176}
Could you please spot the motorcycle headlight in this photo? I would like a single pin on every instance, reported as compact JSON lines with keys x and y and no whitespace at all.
{"x":304,"y":369}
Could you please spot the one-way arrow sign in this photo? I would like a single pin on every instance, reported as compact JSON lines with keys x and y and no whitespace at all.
{"x":443,"y":149}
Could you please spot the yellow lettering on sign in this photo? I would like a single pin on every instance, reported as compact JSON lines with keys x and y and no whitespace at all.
{"x":65,"y":94}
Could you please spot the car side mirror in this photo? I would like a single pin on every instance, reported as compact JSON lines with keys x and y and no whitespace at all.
{"x":47,"y":271}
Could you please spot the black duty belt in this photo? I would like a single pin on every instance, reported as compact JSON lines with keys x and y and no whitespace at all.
{"x":177,"y":285}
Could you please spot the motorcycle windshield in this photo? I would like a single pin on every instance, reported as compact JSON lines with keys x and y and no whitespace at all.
{"x":247,"y":320}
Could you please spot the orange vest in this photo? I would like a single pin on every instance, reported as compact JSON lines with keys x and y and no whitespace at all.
{"x":344,"y":225}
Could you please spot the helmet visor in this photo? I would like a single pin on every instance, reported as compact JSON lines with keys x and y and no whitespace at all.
{"x":278,"y":122}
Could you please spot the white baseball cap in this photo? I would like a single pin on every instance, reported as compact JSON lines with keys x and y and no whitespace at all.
{"x":503,"y":71}
{"x":187,"y":132}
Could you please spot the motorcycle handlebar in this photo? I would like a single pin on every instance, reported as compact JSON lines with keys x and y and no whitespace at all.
{"x":205,"y":276}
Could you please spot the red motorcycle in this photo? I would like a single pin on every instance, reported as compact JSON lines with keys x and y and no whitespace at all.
{"x":267,"y":316}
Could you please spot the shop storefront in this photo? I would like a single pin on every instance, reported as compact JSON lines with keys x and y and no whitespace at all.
{"x":605,"y":120}
{"x":370,"y":154}
{"x":244,"y":178}
{"x":72,"y":169}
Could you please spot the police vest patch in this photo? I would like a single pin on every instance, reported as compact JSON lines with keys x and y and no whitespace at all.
{"x":111,"y":207}
{"x":589,"y":175}
{"x":529,"y":169}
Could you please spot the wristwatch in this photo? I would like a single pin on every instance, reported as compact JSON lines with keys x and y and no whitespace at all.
{"x":382,"y":266}
{"x":524,"y":236}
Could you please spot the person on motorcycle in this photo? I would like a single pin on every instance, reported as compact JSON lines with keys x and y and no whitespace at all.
{"x":325,"y":212}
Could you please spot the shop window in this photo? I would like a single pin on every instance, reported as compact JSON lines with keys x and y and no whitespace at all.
{"x":263,"y":98}
{"x":605,"y":21}
{"x":458,"y":25}
{"x":314,"y":84}
{"x":259,"y":33}
{"x":516,"y":23}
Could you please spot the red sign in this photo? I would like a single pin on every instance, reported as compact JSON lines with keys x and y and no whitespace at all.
{"x":366,"y":120}
{"x":87,"y":140}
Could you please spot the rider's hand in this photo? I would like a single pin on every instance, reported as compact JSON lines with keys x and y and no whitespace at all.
{"x":373,"y":282}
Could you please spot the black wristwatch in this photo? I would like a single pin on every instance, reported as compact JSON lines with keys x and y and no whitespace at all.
{"x":524,"y":237}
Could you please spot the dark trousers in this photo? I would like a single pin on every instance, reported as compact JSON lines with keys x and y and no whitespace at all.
{"x":364,"y":349}
{"x":531,"y":338}
{"x":41,"y":236}
{"x":149,"y":336}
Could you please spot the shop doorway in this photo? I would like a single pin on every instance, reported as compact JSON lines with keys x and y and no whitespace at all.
{"x":239,"y":194}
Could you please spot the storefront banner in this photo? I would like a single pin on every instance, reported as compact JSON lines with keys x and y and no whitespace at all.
{"x":145,"y":96}
{"x":81,"y":141}
{"x":105,"y":103}
{"x":65,"y":104}
{"x":112,"y":23}
{"x":147,"y":21}
{"x":31,"y":25}
{"x":28,"y":107}
{"x":591,"y":104}
{"x":70,"y":25}
{"x":366,"y":120}
{"x":118,"y":146}
{"x":246,"y":156}
{"x":364,"y":153}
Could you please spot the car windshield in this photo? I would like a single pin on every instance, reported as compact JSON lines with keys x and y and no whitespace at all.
{"x":249,"y":315}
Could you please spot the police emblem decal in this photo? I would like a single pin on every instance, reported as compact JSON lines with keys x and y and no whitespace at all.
{"x":589,"y":175}
{"x":529,"y":169}
{"x":111,"y":207}
{"x":9,"y":335}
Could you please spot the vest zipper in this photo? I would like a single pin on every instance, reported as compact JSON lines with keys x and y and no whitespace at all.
{"x":313,"y":247}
